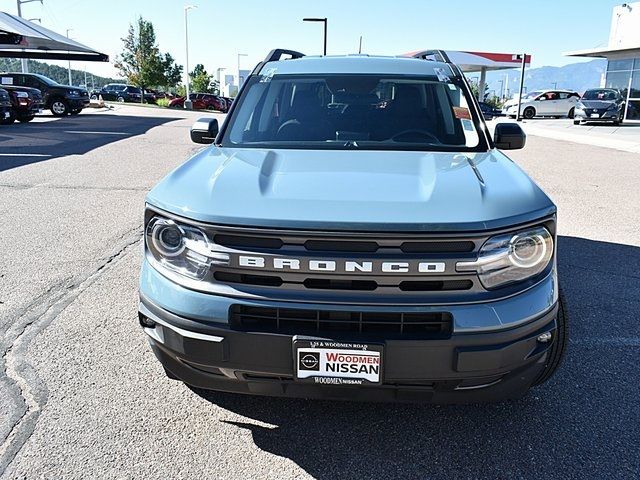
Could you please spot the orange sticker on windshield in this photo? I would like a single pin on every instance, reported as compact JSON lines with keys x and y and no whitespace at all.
{"x":462,"y":113}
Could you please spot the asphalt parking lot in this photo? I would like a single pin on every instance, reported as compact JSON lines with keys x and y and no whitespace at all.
{"x":83,"y":397}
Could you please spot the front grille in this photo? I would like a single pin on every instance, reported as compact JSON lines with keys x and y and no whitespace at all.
{"x":346,"y":268}
{"x":346,"y":286}
{"x":295,"y":321}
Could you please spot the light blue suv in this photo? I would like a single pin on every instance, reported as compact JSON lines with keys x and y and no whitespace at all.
{"x":354,"y":232}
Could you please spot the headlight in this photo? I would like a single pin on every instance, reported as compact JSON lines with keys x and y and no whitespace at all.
{"x":181,"y":248}
{"x":22,"y":95}
{"x":580,"y":106}
{"x":73,"y":93}
{"x":512,"y":257}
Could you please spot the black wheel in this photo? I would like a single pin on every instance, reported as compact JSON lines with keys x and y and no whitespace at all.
{"x":10,"y":119}
{"x":571,"y":112}
{"x":75,"y":112}
{"x":560,"y":340}
{"x":619,"y":120}
{"x":576,"y":122}
{"x":120,"y":99}
{"x":59,"y":107}
{"x":93,"y":97}
{"x":26,"y":119}
{"x":529,"y":113}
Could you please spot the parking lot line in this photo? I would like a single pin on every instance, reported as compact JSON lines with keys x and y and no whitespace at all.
{"x":25,"y":155}
{"x":96,"y":132}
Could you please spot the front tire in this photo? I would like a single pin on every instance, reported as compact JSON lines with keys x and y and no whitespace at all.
{"x":76,"y":112}
{"x":571,"y":112}
{"x":576,"y":122}
{"x":26,"y":119}
{"x":121,"y":99}
{"x":529,"y":113}
{"x":10,"y":119}
{"x":59,"y":107}
{"x":560,"y":340}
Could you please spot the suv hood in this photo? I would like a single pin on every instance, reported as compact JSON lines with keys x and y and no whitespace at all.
{"x":20,"y":88}
{"x":514,"y":102}
{"x":598,"y":104}
{"x":352,"y":190}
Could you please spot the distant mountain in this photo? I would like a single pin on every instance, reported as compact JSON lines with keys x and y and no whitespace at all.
{"x":55,"y":72}
{"x":575,"y":76}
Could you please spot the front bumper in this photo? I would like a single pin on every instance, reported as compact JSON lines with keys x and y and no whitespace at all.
{"x":481,"y":361}
{"x":77,"y":103}
{"x":606,"y":116}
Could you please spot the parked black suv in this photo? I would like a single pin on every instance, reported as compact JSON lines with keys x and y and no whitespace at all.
{"x":25,"y":103}
{"x":120,"y":92}
{"x":60,"y":99}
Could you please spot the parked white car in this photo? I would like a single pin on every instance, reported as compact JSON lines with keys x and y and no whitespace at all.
{"x":544,"y":103}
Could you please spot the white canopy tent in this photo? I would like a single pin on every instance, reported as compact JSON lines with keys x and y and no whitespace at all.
{"x":20,"y":38}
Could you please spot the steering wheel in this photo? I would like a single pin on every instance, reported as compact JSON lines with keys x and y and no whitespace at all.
{"x":428,"y":135}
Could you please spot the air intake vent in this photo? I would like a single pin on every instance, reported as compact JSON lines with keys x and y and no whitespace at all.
{"x":291,"y":321}
{"x":240,"y":241}
{"x":438,"y":247}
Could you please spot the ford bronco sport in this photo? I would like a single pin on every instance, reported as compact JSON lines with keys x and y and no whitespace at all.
{"x":354,"y":232}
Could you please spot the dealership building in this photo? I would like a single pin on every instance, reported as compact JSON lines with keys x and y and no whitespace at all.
{"x":623,"y":57}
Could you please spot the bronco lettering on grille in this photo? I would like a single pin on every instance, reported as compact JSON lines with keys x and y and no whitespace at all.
{"x":351,"y":266}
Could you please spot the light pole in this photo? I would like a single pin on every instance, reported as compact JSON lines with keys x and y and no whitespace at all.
{"x":187,"y":100}
{"x":323,"y":20}
{"x":219,"y":80}
{"x":23,"y":61}
{"x":240,"y":55}
{"x":68,"y":30}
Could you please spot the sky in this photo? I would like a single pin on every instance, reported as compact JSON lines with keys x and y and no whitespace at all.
{"x":219,"y":30}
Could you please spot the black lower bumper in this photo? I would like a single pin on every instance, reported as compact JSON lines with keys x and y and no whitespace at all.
{"x":77,"y":103}
{"x":478,"y":367}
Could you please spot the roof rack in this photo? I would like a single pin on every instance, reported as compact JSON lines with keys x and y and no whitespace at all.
{"x":432,"y":55}
{"x":276,"y":55}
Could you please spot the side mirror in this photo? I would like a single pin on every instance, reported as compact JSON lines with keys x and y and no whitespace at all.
{"x":204,"y":130}
{"x":509,"y":136}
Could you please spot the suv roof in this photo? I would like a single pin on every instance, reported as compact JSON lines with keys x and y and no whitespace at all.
{"x":357,"y":64}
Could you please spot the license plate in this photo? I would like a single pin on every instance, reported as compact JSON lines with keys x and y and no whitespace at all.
{"x":328,"y":362}
{"x":595,"y":115}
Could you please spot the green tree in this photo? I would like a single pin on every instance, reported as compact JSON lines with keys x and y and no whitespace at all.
{"x":474,"y":90}
{"x":172,"y":72}
{"x":140,"y":61}
{"x":200,"y":79}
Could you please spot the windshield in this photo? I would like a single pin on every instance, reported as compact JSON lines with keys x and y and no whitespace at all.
{"x":353,"y":111}
{"x":600,"y":94}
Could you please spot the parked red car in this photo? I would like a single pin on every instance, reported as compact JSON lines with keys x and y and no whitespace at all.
{"x":202,"y":101}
